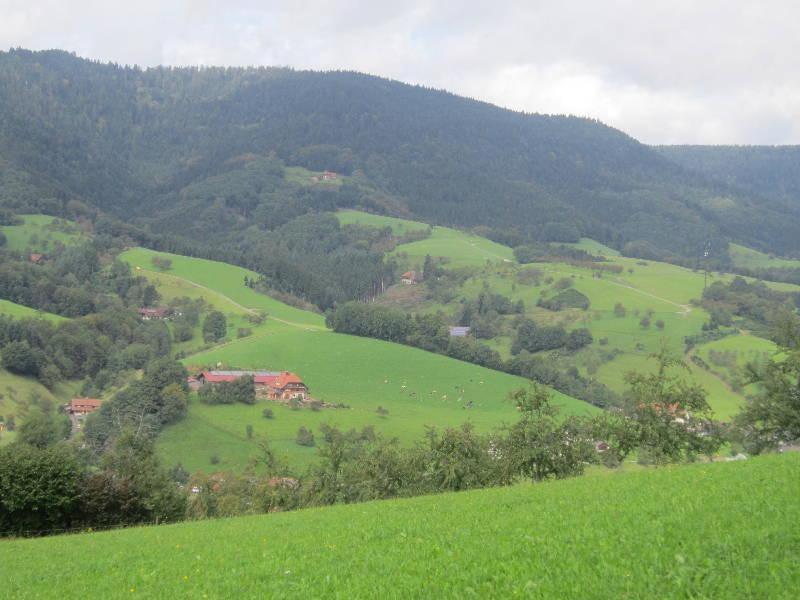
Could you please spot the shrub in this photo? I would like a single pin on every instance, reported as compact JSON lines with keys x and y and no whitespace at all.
{"x":563,"y":283}
{"x":267,"y":413}
{"x":162,"y":263}
{"x":215,"y":327}
{"x":569,"y":298}
{"x":214,"y":459}
{"x":305,"y":437}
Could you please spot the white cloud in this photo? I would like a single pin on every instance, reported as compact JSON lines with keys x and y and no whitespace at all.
{"x":677,"y":71}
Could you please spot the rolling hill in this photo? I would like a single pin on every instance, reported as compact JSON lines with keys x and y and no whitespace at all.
{"x":418,"y":388}
{"x":707,"y":530}
{"x":661,"y":291}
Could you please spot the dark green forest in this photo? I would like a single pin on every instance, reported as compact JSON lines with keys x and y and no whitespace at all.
{"x":197,"y":155}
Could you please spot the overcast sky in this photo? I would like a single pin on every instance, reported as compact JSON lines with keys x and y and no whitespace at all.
{"x":677,"y":71}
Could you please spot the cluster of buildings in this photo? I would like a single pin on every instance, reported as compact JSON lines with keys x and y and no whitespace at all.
{"x":273,"y":385}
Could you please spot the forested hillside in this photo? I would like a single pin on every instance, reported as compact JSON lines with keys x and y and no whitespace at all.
{"x":769,"y":171}
{"x":204,"y":154}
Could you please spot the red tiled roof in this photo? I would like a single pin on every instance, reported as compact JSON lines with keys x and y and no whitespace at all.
{"x":286,"y":378}
{"x":262,"y":378}
{"x":271,"y":378}
{"x":84,"y":404}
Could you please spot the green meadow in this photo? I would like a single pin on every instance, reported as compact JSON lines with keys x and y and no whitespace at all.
{"x":753,"y":259}
{"x":713,"y":530}
{"x":18,"y":311}
{"x":215,"y":279}
{"x":39,"y":233}
{"x":419,"y":389}
{"x":459,"y":248}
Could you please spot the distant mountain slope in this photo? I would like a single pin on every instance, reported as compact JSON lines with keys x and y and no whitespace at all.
{"x":770,"y":171}
{"x":134,"y":142}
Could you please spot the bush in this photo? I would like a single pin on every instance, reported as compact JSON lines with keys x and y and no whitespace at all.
{"x":619,"y":310}
{"x":162,"y":263}
{"x":215,"y":327}
{"x":244,"y":332}
{"x":660,"y":324}
{"x":182,"y":332}
{"x":214,"y":459}
{"x":305,"y":437}
{"x":267,"y":413}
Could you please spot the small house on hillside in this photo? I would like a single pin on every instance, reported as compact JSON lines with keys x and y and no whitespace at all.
{"x":80,"y":407}
{"x":459,"y":331}
{"x":329,"y":176}
{"x":158,"y":313}
{"x":409,"y":278}
{"x":37,"y":258}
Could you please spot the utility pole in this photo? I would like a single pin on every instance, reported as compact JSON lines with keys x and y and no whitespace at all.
{"x":706,"y":254}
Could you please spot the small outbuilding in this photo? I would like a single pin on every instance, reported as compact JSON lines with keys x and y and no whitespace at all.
{"x":459,"y":331}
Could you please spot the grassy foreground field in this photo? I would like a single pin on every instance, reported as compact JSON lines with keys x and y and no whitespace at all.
{"x":725,"y":530}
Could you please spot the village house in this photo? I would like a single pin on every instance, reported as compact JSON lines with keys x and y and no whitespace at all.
{"x":275,"y":385}
{"x":409,"y":278}
{"x":459,"y":331}
{"x":37,"y":259}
